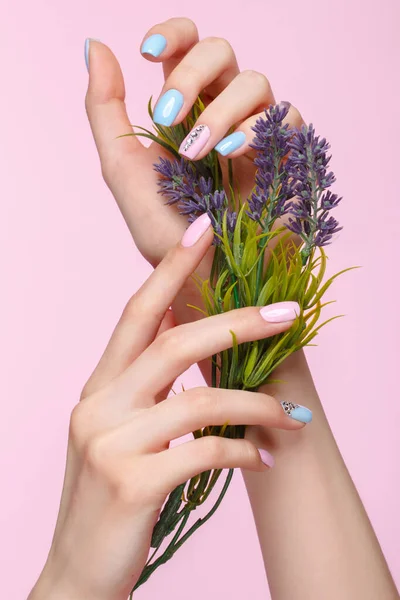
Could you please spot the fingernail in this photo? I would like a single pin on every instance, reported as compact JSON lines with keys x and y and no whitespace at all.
{"x":231,"y":143}
{"x":168,"y":107}
{"x":195,"y":141}
{"x":266,"y":457}
{"x":194,"y":232}
{"x":280,"y":312}
{"x":297,"y":412}
{"x":154,"y":45}
{"x":285,"y":104}
{"x":87,"y":46}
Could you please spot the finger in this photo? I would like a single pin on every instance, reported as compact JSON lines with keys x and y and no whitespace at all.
{"x":181,"y":463}
{"x":211,"y":61}
{"x":126,"y":164}
{"x":229,"y":146}
{"x":201,"y":407}
{"x":105,"y":106}
{"x":177,"y":349}
{"x":169,"y":42}
{"x":143,"y":316}
{"x":247,"y":93}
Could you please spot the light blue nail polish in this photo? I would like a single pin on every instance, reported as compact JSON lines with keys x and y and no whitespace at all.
{"x":168,"y":107}
{"x":87,"y":44}
{"x":297,"y":412}
{"x":231,"y":143}
{"x":154,"y":45}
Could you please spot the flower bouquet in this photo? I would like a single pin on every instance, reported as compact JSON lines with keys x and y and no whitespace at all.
{"x":259,"y":259}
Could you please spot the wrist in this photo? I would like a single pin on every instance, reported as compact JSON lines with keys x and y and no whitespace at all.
{"x":295,"y":384}
{"x":49,"y":586}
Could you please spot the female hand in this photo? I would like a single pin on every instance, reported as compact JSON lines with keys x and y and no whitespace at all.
{"x":190,"y":66}
{"x":119,"y":466}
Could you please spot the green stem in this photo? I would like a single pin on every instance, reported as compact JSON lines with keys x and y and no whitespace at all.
{"x":176,"y":543}
{"x":209,"y":514}
{"x":168,"y":553}
{"x":260,"y":266}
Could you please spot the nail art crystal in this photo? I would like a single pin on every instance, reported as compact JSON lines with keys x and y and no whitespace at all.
{"x":288,"y":407}
{"x":297,"y":412}
{"x":192,"y":137}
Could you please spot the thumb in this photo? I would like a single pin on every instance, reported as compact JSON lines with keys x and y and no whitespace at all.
{"x":106,"y":110}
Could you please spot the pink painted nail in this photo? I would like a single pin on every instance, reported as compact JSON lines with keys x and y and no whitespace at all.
{"x":195,"y":141}
{"x":266,"y":457}
{"x":280,"y":312}
{"x":194,"y":232}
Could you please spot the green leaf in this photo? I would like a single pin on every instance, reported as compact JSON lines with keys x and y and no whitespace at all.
{"x":325,"y":287}
{"x":168,"y":516}
{"x":228,"y":296}
{"x":235,"y":361}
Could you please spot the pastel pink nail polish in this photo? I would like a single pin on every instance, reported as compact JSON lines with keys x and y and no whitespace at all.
{"x":194,"y":232}
{"x":266,"y":457}
{"x":280,"y":312}
{"x":195,"y":141}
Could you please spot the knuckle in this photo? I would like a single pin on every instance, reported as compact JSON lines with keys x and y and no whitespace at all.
{"x":257,"y":79}
{"x":186,"y":74}
{"x":190,"y":27}
{"x":79,"y":424}
{"x":250,"y":452}
{"x":97,"y":456}
{"x":173,"y":342}
{"x":206,"y":403}
{"x":296,"y":120}
{"x":243,"y":319}
{"x":131,"y":306}
{"x":109,"y":168}
{"x":220,"y":44}
{"x":214,"y":449}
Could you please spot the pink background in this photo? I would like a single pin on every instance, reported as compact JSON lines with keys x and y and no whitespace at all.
{"x":68,"y":264}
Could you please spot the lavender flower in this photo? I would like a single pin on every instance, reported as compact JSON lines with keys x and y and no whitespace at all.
{"x":273,"y":186}
{"x":181,"y":184}
{"x":307,"y":167}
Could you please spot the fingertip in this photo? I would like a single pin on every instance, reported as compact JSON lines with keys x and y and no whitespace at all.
{"x":87,"y":45}
{"x":231,"y":143}
{"x":266,"y":458}
{"x":154,"y":46}
{"x":299,"y":413}
{"x":105,"y":75}
{"x":196,"y":230}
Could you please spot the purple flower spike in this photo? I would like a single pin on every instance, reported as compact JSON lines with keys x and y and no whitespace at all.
{"x":273,"y":186}
{"x":307,"y":167}
{"x":181,"y":184}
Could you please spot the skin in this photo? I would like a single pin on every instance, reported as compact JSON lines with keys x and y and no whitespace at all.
{"x":325,"y":540}
{"x":120,"y":468}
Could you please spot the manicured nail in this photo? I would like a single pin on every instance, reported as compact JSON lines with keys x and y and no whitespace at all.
{"x":194,"y":232}
{"x":168,"y":107}
{"x":231,"y":143}
{"x":195,"y":141}
{"x":154,"y":45}
{"x":87,"y":45}
{"x":297,"y":412}
{"x":266,"y":457}
{"x":280,"y":312}
{"x":285,"y":104}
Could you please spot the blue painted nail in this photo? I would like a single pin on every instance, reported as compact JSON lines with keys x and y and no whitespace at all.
{"x":168,"y":107}
{"x":154,"y":45}
{"x":87,"y":44}
{"x":231,"y":143}
{"x":297,"y":412}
